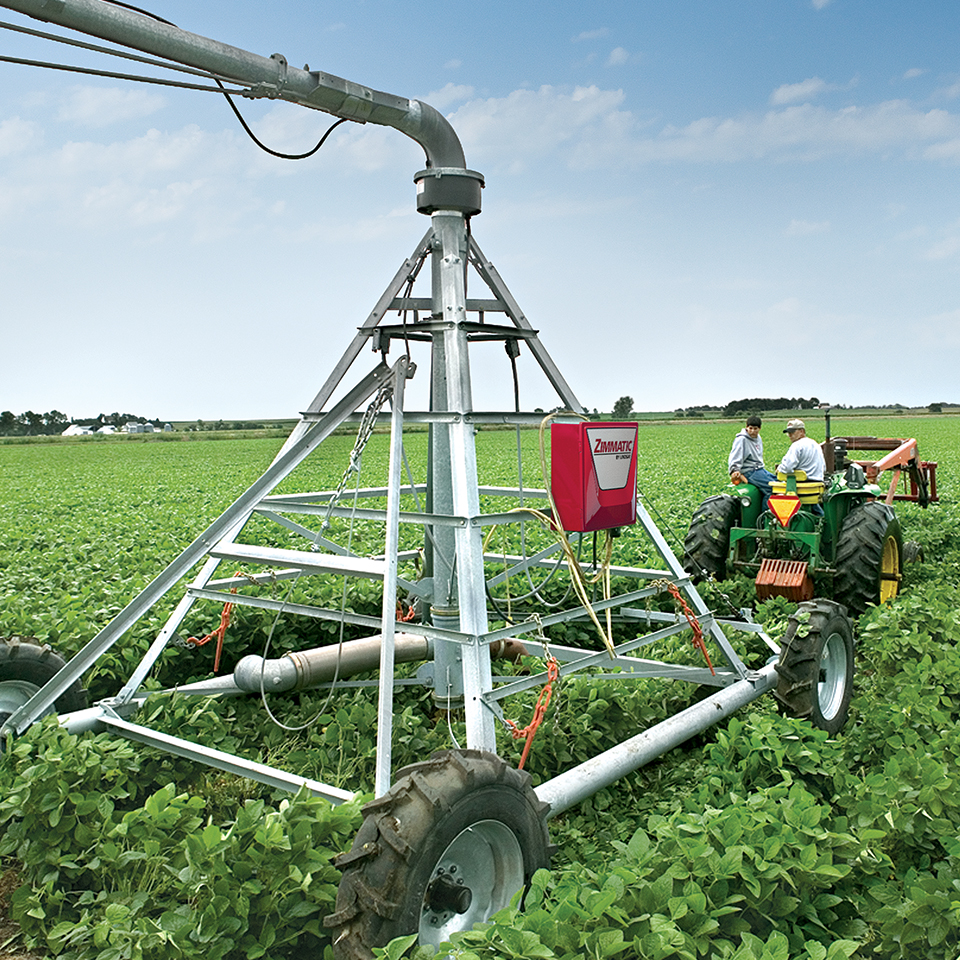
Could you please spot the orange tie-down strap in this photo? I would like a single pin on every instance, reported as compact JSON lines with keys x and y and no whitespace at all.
{"x":539,"y":711}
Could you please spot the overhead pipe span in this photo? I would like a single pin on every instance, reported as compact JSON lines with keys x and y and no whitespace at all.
{"x":271,"y":77}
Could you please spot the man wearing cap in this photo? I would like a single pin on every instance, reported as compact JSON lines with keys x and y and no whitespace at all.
{"x":804,"y":454}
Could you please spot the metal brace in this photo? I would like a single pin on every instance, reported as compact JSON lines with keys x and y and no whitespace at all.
{"x":270,"y":91}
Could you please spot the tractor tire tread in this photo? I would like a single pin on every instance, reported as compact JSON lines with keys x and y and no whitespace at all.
{"x":859,"y":554}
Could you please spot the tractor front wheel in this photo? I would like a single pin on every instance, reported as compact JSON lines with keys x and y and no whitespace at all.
{"x":445,"y":848}
{"x":869,"y":558}
{"x":25,"y":666}
{"x":816,"y":665}
{"x":707,"y":542}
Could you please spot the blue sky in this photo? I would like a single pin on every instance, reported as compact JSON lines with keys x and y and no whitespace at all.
{"x":692,"y":201}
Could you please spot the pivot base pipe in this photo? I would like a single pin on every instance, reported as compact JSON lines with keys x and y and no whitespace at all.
{"x":575,"y":785}
{"x":306,"y":668}
{"x":301,"y":669}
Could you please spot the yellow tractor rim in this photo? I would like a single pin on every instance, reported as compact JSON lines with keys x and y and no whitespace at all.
{"x":890,"y":570}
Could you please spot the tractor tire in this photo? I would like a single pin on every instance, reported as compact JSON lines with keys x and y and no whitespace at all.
{"x":816,"y":665}
{"x":869,"y":558}
{"x":445,"y":848}
{"x":25,"y":666}
{"x":912,"y":552}
{"x":707,"y":542}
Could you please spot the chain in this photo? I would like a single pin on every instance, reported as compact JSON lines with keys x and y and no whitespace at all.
{"x":364,"y":433}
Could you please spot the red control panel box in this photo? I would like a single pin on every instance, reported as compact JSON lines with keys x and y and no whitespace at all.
{"x":593,"y":474}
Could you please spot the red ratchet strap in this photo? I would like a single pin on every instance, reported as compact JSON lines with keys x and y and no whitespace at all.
{"x":219,"y":633}
{"x":694,"y":623}
{"x":539,"y":711}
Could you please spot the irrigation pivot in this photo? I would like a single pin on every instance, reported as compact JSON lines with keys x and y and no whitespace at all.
{"x":486,"y":824}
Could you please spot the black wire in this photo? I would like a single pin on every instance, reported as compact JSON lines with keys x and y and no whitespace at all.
{"x":146,"y":13}
{"x":140,"y":79}
{"x":263,"y":146}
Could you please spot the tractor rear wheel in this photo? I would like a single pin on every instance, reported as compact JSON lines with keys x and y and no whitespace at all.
{"x":445,"y":848}
{"x":707,"y":542}
{"x":25,"y":666}
{"x":869,"y":558}
{"x":816,"y":665}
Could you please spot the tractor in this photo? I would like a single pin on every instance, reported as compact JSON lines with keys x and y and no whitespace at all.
{"x":843,"y":529}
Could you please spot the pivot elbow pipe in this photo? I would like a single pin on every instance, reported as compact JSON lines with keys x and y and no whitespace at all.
{"x":270,"y":77}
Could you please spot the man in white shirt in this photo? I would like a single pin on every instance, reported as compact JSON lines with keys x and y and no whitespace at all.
{"x":803,"y":454}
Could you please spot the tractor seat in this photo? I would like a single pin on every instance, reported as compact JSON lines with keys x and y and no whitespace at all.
{"x":809,"y":491}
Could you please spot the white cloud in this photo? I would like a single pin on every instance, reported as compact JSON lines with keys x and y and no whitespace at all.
{"x":951,"y":92}
{"x":948,"y":150}
{"x":17,"y":135}
{"x":618,"y":57}
{"x":591,"y":35}
{"x":529,"y":124}
{"x":154,"y":151}
{"x":947,"y":248}
{"x":805,"y":228}
{"x":589,"y":129}
{"x":452,"y":64}
{"x":803,"y":133}
{"x":913,"y":73}
{"x":448,"y":95}
{"x":102,"y":106}
{"x":794,"y":92}
{"x":820,"y":4}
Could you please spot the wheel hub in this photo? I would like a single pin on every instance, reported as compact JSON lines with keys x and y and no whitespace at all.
{"x":476,"y":876}
{"x":831,"y":688}
{"x":13,"y":695}
{"x":447,"y":894}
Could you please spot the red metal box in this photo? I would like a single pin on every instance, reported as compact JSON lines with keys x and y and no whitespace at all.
{"x":593,"y":474}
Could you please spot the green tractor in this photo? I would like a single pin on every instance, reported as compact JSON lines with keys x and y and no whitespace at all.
{"x":843,"y":530}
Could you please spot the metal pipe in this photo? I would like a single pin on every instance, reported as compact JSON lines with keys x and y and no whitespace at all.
{"x":300,"y":669}
{"x":575,"y":785}
{"x":270,"y":77}
{"x":305,"y":668}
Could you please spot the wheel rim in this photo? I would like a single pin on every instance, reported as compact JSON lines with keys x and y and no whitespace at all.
{"x":833,"y":676}
{"x":476,"y":876}
{"x":13,"y":695}
{"x":889,"y":570}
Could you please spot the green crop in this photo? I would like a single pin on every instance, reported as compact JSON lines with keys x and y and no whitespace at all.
{"x":761,"y":839}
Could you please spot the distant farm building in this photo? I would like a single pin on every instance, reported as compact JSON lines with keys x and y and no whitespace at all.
{"x":77,"y":430}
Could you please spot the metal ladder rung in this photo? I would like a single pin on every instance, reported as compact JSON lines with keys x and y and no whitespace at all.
{"x":301,"y":559}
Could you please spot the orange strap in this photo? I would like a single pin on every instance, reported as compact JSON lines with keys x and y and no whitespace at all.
{"x":219,"y":633}
{"x":539,"y":711}
{"x":694,"y":623}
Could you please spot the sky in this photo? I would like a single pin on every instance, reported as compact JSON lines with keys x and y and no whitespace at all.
{"x":693,"y":202}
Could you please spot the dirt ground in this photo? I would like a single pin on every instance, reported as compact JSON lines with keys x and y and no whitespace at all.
{"x":11,"y":940}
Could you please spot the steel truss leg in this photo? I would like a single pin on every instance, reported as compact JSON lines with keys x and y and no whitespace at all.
{"x":235,"y":516}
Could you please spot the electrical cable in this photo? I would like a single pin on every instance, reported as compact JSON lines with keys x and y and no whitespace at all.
{"x":151,"y":61}
{"x":276,"y":153}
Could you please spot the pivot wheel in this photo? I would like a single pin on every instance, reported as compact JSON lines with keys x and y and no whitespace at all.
{"x":445,"y":848}
{"x":869,"y":559}
{"x":25,"y":666}
{"x":707,"y":542}
{"x":816,"y":665}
